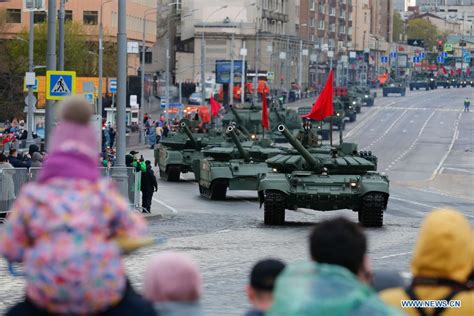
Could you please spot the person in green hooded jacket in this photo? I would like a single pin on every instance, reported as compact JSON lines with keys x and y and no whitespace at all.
{"x":335,"y":282}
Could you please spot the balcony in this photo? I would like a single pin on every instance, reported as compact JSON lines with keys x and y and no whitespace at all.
{"x":274,"y":15}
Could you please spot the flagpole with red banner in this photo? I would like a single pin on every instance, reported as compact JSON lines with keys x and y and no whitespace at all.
{"x":265,"y":119}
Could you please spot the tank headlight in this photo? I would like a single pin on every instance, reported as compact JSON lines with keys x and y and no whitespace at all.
{"x":275,"y":170}
{"x":338,"y":114}
{"x":353,"y":184}
{"x":354,"y":102}
{"x":431,"y":79}
{"x":253,"y":136}
{"x":366,"y":96}
{"x":350,"y":106}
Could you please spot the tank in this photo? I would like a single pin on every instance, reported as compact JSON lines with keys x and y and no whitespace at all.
{"x":419,"y":81}
{"x":323,"y":179}
{"x":366,"y":97}
{"x":237,"y":165}
{"x":351,"y":106}
{"x":180,"y":153}
{"x":393,"y":86}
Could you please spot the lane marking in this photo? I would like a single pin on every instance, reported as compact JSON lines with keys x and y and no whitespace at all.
{"x":386,"y":131}
{"x":395,"y":255}
{"x":458,"y":169}
{"x":421,"y":204}
{"x":172,"y":209}
{"x":413,"y":144}
{"x":434,"y":191}
{"x":453,"y":140}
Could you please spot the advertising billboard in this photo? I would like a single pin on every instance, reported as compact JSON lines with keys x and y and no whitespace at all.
{"x":223,"y":68}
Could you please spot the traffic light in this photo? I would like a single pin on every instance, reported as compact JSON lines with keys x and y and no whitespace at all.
{"x":440,"y":45}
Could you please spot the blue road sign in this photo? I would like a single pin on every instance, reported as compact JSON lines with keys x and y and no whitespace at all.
{"x":422,"y":55}
{"x":445,"y":55}
{"x":440,"y":59}
{"x":384,"y":59}
{"x":467,"y":58}
{"x":393,"y":54}
{"x":113,"y":86}
{"x":60,"y":84}
{"x":89,"y":97}
{"x":416,"y":59}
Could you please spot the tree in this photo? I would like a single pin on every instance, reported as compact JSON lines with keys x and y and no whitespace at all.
{"x":398,"y":27}
{"x":423,"y":29}
{"x":14,"y":60}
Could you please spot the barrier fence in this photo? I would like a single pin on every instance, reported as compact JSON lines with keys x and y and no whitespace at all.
{"x":12,"y":179}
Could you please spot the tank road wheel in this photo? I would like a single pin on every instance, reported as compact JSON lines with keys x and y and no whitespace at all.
{"x":371,"y":212}
{"x":171,"y":174}
{"x":218,"y":189}
{"x":274,"y":208}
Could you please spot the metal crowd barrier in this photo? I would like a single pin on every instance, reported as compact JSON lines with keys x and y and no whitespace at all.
{"x":12,"y":179}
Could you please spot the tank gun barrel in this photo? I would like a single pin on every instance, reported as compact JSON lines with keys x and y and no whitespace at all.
{"x":188,"y":132}
{"x":313,"y":162}
{"x":240,"y":122}
{"x":243,"y":153}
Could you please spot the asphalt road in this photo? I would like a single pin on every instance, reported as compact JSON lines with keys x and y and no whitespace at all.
{"x":424,"y":143}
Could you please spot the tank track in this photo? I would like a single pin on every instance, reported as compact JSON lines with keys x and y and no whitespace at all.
{"x":371,"y":212}
{"x":274,"y":208}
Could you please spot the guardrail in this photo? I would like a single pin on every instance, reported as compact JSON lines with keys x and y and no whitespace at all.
{"x":12,"y":179}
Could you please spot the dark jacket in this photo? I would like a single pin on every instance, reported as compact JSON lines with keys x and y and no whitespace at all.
{"x":148,"y":183}
{"x":18,"y":163}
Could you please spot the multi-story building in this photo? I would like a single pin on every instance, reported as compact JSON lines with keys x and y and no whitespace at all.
{"x":382,"y":19}
{"x":452,"y":12}
{"x":399,"y":5}
{"x":264,"y":30}
{"x":87,"y":12}
{"x":327,"y":24}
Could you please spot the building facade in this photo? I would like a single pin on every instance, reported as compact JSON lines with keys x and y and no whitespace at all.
{"x":87,"y":13}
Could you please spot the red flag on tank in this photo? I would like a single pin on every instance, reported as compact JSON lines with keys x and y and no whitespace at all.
{"x":323,"y":107}
{"x":215,"y":107}
{"x":265,"y":121}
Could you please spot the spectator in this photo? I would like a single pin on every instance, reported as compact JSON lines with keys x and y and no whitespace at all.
{"x":15,"y":161}
{"x":36,"y":157}
{"x":112,"y":135}
{"x":441,"y":265}
{"x":262,"y":281}
{"x":148,"y":186}
{"x":335,"y":283}
{"x":63,"y":229}
{"x":7,"y":186}
{"x":173,"y":283}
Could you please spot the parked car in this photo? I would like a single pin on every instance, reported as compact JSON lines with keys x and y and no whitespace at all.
{"x":195,"y":98}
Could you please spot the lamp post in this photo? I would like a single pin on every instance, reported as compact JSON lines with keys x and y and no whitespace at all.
{"x":50,"y":65}
{"x":203,"y":56}
{"x":31,"y":66}
{"x":121,"y":82}
{"x":231,"y":85}
{"x":101,"y":56}
{"x":142,"y":64}
{"x":61,"y":34}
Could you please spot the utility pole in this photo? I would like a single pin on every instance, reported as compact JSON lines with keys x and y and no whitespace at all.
{"x":101,"y":58}
{"x":31,"y":68}
{"x":168,"y":38}
{"x":257,"y":57}
{"x":244,"y":73}
{"x":203,"y":68}
{"x":231,"y":84}
{"x":300,"y":68}
{"x":121,"y":82}
{"x":61,"y":34}
{"x":142,"y":72}
{"x":50,"y":65}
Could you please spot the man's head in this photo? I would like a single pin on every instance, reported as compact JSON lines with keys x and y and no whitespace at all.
{"x":3,"y":158}
{"x":262,"y":281}
{"x":340,"y":242}
{"x":13,"y":153}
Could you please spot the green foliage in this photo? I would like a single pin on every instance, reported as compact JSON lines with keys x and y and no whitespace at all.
{"x":14,"y":60}
{"x":398,"y":27}
{"x":422,"y":29}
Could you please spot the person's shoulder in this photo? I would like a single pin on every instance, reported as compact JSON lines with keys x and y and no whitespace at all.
{"x":393,"y":296}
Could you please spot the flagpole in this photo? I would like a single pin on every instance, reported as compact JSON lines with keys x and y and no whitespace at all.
{"x":330,"y":133}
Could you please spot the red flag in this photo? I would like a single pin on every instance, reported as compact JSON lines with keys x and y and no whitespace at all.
{"x":323,"y":106}
{"x":451,"y":72}
{"x":265,"y":121}
{"x":468,"y":71}
{"x":444,"y":70}
{"x":215,"y":107}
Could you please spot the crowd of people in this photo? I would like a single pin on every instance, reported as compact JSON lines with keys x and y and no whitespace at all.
{"x":71,"y":229}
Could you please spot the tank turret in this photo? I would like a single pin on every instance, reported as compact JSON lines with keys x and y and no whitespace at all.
{"x":310,"y":160}
{"x":190,"y":135}
{"x":243,"y":153}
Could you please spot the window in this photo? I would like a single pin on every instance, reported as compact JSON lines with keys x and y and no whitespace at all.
{"x":40,"y":17}
{"x":321,"y":25}
{"x":322,"y":8}
{"x":333,"y":11}
{"x":332,"y":27}
{"x":91,"y":17}
{"x":313,"y":5}
{"x":312,"y":24}
{"x":68,"y":16}
{"x":148,"y":57}
{"x":13,"y":15}
{"x":342,"y":29}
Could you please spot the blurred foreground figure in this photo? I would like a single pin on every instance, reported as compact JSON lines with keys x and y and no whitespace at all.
{"x":173,"y":284}
{"x":441,"y":266}
{"x":336,"y":281}
{"x":62,"y":228}
{"x":262,"y":283}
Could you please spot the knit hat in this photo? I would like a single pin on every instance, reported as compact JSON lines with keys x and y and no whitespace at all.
{"x":172,"y":277}
{"x":74,"y":133}
{"x":73,"y":149}
{"x":264,"y":274}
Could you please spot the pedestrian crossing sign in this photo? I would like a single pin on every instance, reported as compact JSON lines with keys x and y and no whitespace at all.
{"x":60,"y":84}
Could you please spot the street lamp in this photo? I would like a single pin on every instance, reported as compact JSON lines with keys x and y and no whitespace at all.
{"x":142,"y":64}
{"x":203,"y":57}
{"x":101,"y":56}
